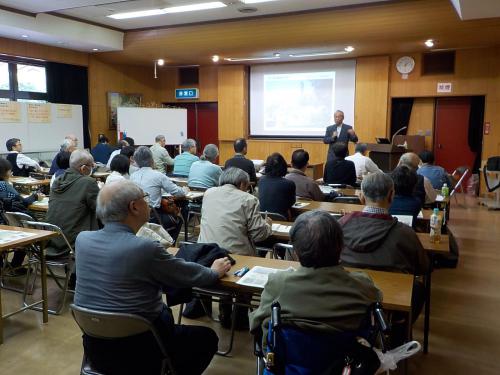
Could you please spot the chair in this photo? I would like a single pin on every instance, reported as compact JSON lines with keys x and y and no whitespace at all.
{"x":341,"y":186}
{"x":294,"y":350}
{"x":194,"y":210}
{"x":108,"y":325}
{"x":65,"y":261}
{"x":349,"y":199}
{"x":284,"y":251}
{"x":273,"y":216}
{"x":462,"y":172}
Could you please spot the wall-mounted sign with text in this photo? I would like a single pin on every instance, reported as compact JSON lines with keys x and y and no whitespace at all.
{"x":443,"y":87}
{"x":187,"y":93}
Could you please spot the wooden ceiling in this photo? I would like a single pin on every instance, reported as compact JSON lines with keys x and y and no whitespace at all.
{"x":388,"y":28}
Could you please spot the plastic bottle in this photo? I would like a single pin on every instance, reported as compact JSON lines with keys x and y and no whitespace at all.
{"x":435,"y":226}
{"x":445,"y":190}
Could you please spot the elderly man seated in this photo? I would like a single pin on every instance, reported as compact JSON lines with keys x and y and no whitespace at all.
{"x":231,"y":217}
{"x":320,"y":290}
{"x":120,"y":272}
{"x":423,"y":190}
{"x":183,"y":162}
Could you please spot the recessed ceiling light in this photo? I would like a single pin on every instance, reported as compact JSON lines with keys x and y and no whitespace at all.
{"x":256,"y":1}
{"x":276,"y":54}
{"x":24,"y":36}
{"x":349,"y":49}
{"x":234,"y":59}
{"x":160,"y":62}
{"x":95,"y":49}
{"x":215,"y":58}
{"x":177,"y":9}
{"x":429,"y":43}
{"x":314,"y":54}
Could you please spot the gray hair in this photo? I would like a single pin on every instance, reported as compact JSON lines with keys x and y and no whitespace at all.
{"x":361,"y":147}
{"x":159,"y":137}
{"x":143,"y":157}
{"x":234,"y":176}
{"x":210,"y":152}
{"x":67,"y":143}
{"x":73,"y":138}
{"x":113,"y":200}
{"x":377,"y":186}
{"x":79,"y":158}
{"x":187,"y":144}
{"x":410,"y":160}
{"x":122,"y":143}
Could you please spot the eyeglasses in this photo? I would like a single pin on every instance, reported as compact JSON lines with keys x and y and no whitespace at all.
{"x":146,"y":198}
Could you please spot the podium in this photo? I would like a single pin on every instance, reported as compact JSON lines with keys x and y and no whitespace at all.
{"x":386,"y":156}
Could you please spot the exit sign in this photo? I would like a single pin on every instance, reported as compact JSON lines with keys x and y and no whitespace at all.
{"x":187,"y":93}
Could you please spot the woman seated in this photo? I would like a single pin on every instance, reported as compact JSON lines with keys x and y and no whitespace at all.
{"x":152,"y":182}
{"x":276,"y":193}
{"x":62,"y":162}
{"x":339,"y":170}
{"x":404,"y":202}
{"x":16,"y":203}
{"x":119,"y":169}
{"x":204,"y":173}
{"x":320,"y":290}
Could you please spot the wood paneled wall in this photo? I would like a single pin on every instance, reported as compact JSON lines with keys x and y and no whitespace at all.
{"x":422,"y":120}
{"x":168,"y":82}
{"x":233,"y":102}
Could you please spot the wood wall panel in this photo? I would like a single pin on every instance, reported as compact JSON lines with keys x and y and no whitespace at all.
{"x":422,"y":120}
{"x":39,"y":51}
{"x":105,"y":77}
{"x":372,"y":85}
{"x":233,"y":102}
{"x":168,"y":82}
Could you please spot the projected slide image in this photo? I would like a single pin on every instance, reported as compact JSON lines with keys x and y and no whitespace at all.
{"x":298,"y":101}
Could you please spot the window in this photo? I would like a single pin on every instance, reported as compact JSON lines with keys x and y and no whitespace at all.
{"x":23,"y":80}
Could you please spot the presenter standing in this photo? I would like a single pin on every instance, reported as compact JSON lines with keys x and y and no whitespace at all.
{"x":338,"y":132}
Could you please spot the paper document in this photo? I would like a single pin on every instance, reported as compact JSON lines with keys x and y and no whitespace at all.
{"x":439,"y":198}
{"x":43,"y":202}
{"x":7,"y":236}
{"x":195,"y":194}
{"x":420,"y":215}
{"x":257,"y":276}
{"x":405,"y":219}
{"x":300,"y":205}
{"x":281,"y":228}
{"x":325,"y":189}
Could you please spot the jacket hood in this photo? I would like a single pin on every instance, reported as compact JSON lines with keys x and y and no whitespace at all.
{"x":64,"y":182}
{"x":364,"y":233}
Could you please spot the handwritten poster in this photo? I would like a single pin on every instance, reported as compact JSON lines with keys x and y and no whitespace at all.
{"x":39,"y":113}
{"x":10,"y":112}
{"x":64,"y":111}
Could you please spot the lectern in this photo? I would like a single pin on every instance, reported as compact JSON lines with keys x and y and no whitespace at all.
{"x":385,"y":156}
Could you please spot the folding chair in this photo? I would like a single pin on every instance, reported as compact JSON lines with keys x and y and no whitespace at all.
{"x":110,"y":325}
{"x":65,"y":261}
{"x":194,"y":211}
{"x":462,"y":172}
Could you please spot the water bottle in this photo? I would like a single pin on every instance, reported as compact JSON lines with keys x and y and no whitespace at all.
{"x":445,"y":191}
{"x":435,"y":226}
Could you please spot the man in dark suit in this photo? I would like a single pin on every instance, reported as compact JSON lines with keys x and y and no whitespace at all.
{"x":239,"y":160}
{"x":338,"y":132}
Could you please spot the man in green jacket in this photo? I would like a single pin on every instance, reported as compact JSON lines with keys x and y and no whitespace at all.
{"x":72,"y":202}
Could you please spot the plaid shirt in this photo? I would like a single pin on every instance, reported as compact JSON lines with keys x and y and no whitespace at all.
{"x":376,"y":210}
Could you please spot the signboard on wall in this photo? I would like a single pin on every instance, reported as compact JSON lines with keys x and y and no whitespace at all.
{"x":192,"y":93}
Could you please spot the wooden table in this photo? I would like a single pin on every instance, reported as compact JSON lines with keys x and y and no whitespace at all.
{"x":27,"y":184}
{"x":179,"y":181}
{"x":41,"y":236}
{"x":101,"y":175}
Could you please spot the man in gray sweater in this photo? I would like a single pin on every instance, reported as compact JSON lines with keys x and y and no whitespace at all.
{"x":120,"y":272}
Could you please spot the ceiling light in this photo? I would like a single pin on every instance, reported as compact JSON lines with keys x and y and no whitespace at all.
{"x":349,"y":49}
{"x":215,"y":58}
{"x":140,"y":13}
{"x":235,"y":59}
{"x":255,"y":1}
{"x":24,"y":36}
{"x":160,"y":62}
{"x":193,"y":7}
{"x":314,"y":54}
{"x":95,"y":49}
{"x":429,"y":43}
{"x":276,"y":54}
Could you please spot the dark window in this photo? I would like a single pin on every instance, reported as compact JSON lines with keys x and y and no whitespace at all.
{"x":188,"y":76}
{"x":438,"y":63}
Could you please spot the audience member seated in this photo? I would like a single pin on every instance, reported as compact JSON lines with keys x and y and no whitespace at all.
{"x":231,"y":217}
{"x":276,"y":193}
{"x":68,"y":145}
{"x":160,"y":155}
{"x":21,"y":164}
{"x":121,"y":144}
{"x":339,"y":170}
{"x":423,"y":190}
{"x":62,"y":162}
{"x":128,"y":151}
{"x":363,"y":164}
{"x":120,"y":272}
{"x":240,"y":161}
{"x":72,"y":201}
{"x":305,"y":187}
{"x":102,"y":151}
{"x":119,"y":169}
{"x":320,"y":290}
{"x":404,"y":202}
{"x":152,"y":182}
{"x":182,"y":162}
{"x":374,"y":239}
{"x":7,"y":191}
{"x":436,"y":174}
{"x":205,"y":173}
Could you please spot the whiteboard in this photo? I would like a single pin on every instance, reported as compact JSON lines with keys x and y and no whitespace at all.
{"x":36,"y":137}
{"x":144,"y":124}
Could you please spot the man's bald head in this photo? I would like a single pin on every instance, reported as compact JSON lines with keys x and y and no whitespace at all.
{"x":410,"y":160}
{"x":113,"y":200}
